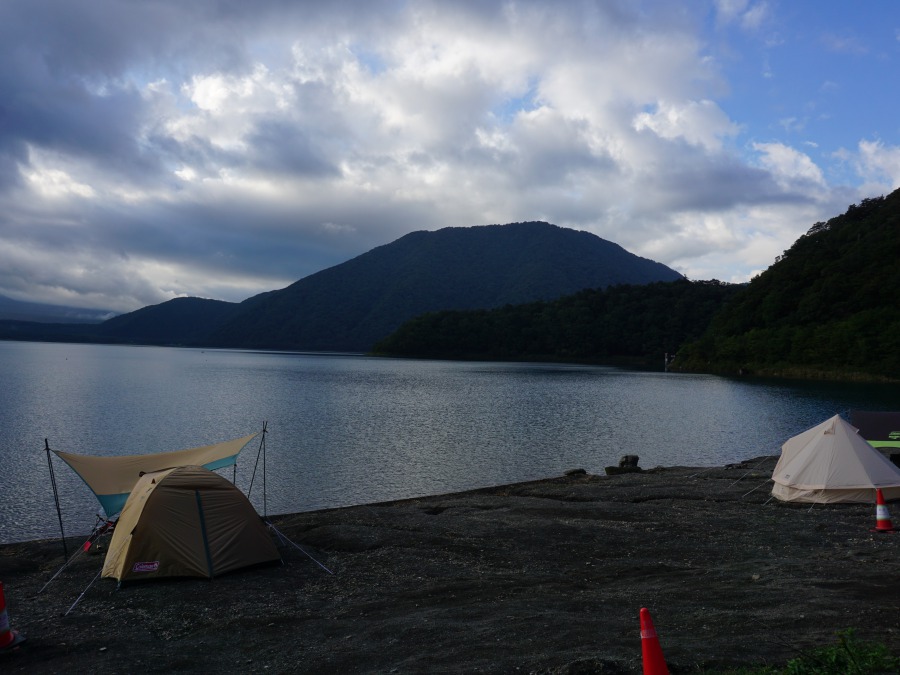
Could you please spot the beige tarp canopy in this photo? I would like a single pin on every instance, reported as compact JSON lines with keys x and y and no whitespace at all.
{"x":832,"y":463}
{"x":186,"y":522}
{"x":112,"y":478}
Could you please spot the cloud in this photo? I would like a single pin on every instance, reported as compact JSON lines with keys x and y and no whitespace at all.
{"x":748,"y":15}
{"x":844,"y":44}
{"x":879,"y":165}
{"x":791,"y":168}
{"x":696,"y":122}
{"x":220,"y":149}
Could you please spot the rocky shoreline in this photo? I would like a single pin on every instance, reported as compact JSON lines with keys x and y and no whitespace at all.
{"x":540,"y":577}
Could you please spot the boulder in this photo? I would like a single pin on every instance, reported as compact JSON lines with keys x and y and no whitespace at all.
{"x":628,"y":464}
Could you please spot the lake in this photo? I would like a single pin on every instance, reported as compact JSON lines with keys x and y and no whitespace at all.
{"x":346,"y":429}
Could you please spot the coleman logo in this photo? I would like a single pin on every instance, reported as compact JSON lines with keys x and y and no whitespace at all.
{"x":145,"y":566}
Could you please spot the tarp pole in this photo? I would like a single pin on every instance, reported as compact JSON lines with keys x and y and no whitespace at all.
{"x":260,"y":452}
{"x":264,"y":432}
{"x":56,"y":499}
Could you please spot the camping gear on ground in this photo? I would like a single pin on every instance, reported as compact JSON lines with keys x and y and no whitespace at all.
{"x":880,"y":429}
{"x":832,"y":463}
{"x":111,"y":478}
{"x":186,"y":522}
{"x":177,"y":521}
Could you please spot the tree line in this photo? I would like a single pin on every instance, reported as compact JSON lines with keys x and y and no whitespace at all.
{"x":639,"y":324}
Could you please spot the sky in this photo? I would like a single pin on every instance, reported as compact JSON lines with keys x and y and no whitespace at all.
{"x":153,"y":149}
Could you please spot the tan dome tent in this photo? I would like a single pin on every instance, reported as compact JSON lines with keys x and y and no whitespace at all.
{"x":186,"y":522}
{"x":832,"y":463}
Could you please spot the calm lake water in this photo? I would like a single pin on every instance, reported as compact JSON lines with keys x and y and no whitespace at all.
{"x":347,"y":430}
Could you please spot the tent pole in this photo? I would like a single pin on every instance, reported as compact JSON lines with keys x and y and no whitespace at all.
{"x":56,"y":499}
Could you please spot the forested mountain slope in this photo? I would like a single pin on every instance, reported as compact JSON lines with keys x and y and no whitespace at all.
{"x":634,"y":324}
{"x":177,"y":321}
{"x":829,"y":307}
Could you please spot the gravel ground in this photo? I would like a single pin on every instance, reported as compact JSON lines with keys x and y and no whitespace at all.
{"x":543,"y":577}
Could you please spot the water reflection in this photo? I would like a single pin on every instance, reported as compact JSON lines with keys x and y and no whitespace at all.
{"x":351,"y":429}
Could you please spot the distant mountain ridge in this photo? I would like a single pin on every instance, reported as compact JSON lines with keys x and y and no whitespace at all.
{"x":18,"y":310}
{"x":350,"y":306}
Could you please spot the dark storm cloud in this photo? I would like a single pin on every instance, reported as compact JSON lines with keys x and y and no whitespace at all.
{"x":714,"y":184}
{"x":68,"y":70}
{"x":279,"y":146}
{"x":59,"y":89}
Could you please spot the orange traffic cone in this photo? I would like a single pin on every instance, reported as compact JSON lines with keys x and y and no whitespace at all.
{"x":654,"y":663}
{"x":882,"y":517}
{"x":8,"y":638}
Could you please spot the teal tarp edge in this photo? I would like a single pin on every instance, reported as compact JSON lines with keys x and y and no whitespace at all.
{"x":113,"y":504}
{"x":221,"y":463}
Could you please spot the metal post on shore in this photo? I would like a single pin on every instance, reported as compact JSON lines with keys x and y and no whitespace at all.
{"x":56,"y":499}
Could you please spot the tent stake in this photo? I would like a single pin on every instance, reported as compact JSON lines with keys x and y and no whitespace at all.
{"x":56,"y":499}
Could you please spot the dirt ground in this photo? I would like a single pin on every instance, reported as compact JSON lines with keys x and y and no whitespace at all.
{"x":539,"y":577}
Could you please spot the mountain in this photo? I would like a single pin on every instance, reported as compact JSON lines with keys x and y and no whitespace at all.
{"x":16,"y":310}
{"x":829,"y":307}
{"x":349,"y":307}
{"x":177,"y":321}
